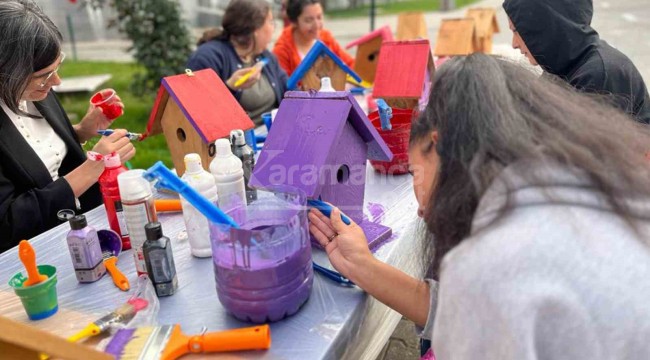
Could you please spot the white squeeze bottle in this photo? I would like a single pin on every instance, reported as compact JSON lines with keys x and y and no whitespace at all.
{"x":196,"y":224}
{"x":138,"y":209}
{"x":228,"y":173}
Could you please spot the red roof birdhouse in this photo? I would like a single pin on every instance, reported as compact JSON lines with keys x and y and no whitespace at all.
{"x":365,"y":63}
{"x":404,"y":73}
{"x":193,"y":110}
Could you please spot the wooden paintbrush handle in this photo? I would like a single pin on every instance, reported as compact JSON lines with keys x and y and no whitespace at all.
{"x":250,"y":338}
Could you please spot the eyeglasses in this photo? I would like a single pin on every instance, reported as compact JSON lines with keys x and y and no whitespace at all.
{"x":49,"y":75}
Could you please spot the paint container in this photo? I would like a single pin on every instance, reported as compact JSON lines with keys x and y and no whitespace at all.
{"x":139,"y":210}
{"x":85,"y":251}
{"x":228,"y":172}
{"x":160,"y":260}
{"x":111,"y":194}
{"x":107,"y":101}
{"x":40,"y":300}
{"x":397,"y":140}
{"x":264,"y":270}
{"x":196,"y":223}
{"x":247,"y":156}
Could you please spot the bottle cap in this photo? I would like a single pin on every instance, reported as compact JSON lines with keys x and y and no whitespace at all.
{"x":326,"y":85}
{"x":153,"y":230}
{"x":78,"y":222}
{"x":237,"y":137}
{"x":112,"y":160}
{"x":133,"y":186}
{"x":223,"y":147}
{"x":193,"y":163}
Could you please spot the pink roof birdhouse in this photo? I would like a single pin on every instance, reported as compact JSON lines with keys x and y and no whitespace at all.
{"x":193,"y":110}
{"x":320,"y":142}
{"x":369,"y":45}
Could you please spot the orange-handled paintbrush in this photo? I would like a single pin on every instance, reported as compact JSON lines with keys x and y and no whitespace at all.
{"x":163,"y":205}
{"x":28,"y":258}
{"x":169,"y":343}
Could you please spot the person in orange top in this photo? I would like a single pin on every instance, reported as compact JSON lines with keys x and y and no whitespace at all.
{"x":294,"y":43}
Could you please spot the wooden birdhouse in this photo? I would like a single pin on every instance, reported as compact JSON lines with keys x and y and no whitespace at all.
{"x":456,"y":37}
{"x":404,"y":74}
{"x":368,"y":46}
{"x":411,"y":26}
{"x":320,"y":142}
{"x":486,"y":26}
{"x":320,"y":62}
{"x":193,"y":110}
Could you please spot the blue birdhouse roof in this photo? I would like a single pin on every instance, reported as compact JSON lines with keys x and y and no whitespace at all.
{"x":319,"y":49}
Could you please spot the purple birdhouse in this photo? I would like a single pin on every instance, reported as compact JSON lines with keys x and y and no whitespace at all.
{"x":320,"y":142}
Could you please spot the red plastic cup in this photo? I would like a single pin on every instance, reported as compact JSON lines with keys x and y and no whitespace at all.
{"x":107,"y":101}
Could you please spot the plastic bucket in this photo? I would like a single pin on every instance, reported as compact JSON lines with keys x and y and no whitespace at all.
{"x":397,"y":140}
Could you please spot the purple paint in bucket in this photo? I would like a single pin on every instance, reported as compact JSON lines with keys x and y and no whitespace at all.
{"x":263,"y":270}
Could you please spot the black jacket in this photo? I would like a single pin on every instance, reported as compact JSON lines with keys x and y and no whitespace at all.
{"x":29,"y":199}
{"x":559,"y":35}
{"x":220,"y":56}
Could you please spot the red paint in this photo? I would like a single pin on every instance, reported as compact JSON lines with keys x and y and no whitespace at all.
{"x":107,"y":102}
{"x":113,"y":202}
{"x":397,"y":140}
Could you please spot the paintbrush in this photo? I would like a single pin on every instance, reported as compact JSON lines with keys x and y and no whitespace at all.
{"x":169,"y":343}
{"x":123,"y":315}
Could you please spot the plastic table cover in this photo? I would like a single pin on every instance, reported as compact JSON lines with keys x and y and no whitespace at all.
{"x":336,"y":322}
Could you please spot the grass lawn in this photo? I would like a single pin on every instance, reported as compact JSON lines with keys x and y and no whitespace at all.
{"x":394,"y":7}
{"x":136,"y":109}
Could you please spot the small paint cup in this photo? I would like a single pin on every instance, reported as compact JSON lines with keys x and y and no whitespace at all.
{"x":106,"y":99}
{"x":40,"y":300}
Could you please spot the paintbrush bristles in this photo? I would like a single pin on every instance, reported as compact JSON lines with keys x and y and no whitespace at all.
{"x":138,"y":342}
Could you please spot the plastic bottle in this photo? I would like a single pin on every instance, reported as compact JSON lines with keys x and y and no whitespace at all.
{"x":326,"y":85}
{"x":139,"y":210}
{"x":112,"y":200}
{"x":247,"y":156}
{"x":160,"y":260}
{"x":85,"y":252}
{"x":203,"y":182}
{"x":228,"y":174}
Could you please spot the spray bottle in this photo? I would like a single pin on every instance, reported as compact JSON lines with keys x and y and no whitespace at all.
{"x":85,"y":252}
{"x":139,"y":210}
{"x":197,"y":226}
{"x":228,"y":174}
{"x":160,"y":260}
{"x":247,"y":156}
{"x":112,"y":200}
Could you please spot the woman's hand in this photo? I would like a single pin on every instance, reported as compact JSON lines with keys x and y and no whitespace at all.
{"x":254,"y":78}
{"x":346,"y":245}
{"x":95,"y":119}
{"x":116,"y":142}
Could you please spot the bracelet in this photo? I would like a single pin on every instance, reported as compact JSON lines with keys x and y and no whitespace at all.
{"x":94,"y":156}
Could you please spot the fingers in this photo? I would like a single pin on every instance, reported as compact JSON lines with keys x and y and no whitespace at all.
{"x":322,"y":224}
{"x":336,"y":222}
{"x":319,"y":235}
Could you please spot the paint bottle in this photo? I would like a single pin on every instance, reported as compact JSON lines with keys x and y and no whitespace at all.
{"x":196,"y":224}
{"x":228,"y":173}
{"x":112,"y":200}
{"x":326,"y":85}
{"x":139,"y":210}
{"x":85,"y":252}
{"x":160,"y":260}
{"x":247,"y":156}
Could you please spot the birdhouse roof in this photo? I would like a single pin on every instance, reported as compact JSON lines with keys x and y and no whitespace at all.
{"x":384,"y":31}
{"x":456,"y":37}
{"x":486,"y":21}
{"x":306,"y":136}
{"x":401,"y":69}
{"x":317,"y":50}
{"x":205,"y":102}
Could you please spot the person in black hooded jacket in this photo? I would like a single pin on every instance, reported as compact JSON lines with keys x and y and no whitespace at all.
{"x":557,"y":35}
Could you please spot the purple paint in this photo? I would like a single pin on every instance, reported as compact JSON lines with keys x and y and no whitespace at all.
{"x":377,"y":212}
{"x":85,"y":251}
{"x":110,"y":241}
{"x":263,"y":270}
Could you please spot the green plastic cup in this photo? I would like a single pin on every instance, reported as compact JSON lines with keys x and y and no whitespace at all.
{"x":39,"y":300}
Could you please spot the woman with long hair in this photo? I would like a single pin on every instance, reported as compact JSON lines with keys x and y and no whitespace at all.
{"x":537,"y":213}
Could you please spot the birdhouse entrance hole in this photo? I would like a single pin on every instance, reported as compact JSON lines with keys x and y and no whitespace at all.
{"x":180,"y":133}
{"x":343,"y":174}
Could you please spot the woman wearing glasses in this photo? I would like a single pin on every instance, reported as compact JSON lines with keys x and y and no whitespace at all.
{"x":43,"y":168}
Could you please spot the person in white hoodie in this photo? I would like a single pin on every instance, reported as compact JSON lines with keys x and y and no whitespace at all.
{"x":537,"y":213}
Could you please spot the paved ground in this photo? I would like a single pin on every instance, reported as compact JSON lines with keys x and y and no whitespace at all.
{"x":623,"y":23}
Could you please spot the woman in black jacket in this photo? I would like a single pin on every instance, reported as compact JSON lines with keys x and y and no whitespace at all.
{"x":247,"y":30}
{"x":43,"y":168}
{"x":557,"y":35}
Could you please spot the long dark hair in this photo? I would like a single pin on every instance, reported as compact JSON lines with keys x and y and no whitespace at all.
{"x":30,"y":42}
{"x":491,"y":113}
{"x":240,"y":20}
{"x":295,"y":7}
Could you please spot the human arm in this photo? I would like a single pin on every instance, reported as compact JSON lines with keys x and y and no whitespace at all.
{"x":349,"y":254}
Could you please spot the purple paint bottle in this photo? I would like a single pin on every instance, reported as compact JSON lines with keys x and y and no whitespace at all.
{"x":264,"y":270}
{"x":85,"y":252}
